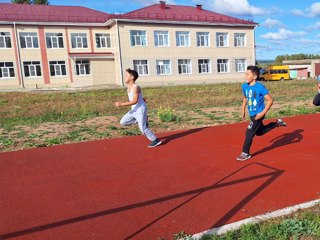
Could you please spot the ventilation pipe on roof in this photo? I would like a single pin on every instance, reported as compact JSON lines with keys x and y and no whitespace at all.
{"x":199,"y":6}
{"x":163,"y":4}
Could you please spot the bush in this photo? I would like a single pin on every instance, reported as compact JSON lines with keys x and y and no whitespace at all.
{"x":166,"y":114}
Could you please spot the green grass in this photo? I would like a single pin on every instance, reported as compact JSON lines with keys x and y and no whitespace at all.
{"x":302,"y":225}
{"x":32,"y":108}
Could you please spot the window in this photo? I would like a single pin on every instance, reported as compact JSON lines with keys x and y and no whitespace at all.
{"x":222,"y":40}
{"x":103,"y":40}
{"x":163,"y":67}
{"x":57,"y":68}
{"x":83,"y":67}
{"x":5,"y":40}
{"x":79,"y":40}
{"x":223,"y":65}
{"x":204,"y":65}
{"x":184,"y":66}
{"x":141,"y":66}
{"x":203,"y":39}
{"x":239,"y":39}
{"x":138,"y":38}
{"x":182,"y":39}
{"x":241,"y":65}
{"x":28,"y":40}
{"x":54,"y":40}
{"x":32,"y":69}
{"x":6,"y":70}
{"x":161,"y":38}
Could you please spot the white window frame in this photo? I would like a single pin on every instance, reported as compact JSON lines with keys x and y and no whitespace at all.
{"x":141,"y":66}
{"x":5,"y":40}
{"x":79,"y":40}
{"x":240,"y":40}
{"x":183,"y":38}
{"x":241,"y":65}
{"x":7,"y":70}
{"x":222,"y":39}
{"x":81,"y":69}
{"x":223,"y":65}
{"x":30,"y":39}
{"x":59,"y":68}
{"x":54,"y":39}
{"x":184,"y":66}
{"x":138,"y":38}
{"x":203,"y":39}
{"x":163,"y":67}
{"x":103,"y":39}
{"x":161,"y":38}
{"x":32,"y":69}
{"x":204,"y":66}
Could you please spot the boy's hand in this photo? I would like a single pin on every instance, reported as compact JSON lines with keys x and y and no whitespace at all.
{"x":243,"y":116}
{"x":259,"y":115}
{"x":117,"y":104}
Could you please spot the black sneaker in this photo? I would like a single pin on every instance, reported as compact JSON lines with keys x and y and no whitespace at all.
{"x":244,"y":156}
{"x":154,"y":143}
{"x":281,"y":123}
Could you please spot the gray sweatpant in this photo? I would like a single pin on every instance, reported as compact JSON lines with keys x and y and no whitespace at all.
{"x":140,"y":116}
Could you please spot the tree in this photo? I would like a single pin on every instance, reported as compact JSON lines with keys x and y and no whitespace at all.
{"x":43,"y":2}
{"x":22,"y":1}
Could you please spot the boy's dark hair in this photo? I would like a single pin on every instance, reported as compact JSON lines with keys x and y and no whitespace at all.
{"x":133,"y":73}
{"x":255,"y":70}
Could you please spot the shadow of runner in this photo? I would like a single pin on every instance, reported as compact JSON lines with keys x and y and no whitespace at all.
{"x":282,"y":140}
{"x":169,"y":138}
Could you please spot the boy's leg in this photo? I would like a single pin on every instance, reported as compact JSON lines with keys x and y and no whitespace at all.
{"x":251,"y":131}
{"x":142,"y":118}
{"x":266,"y":128}
{"x":128,"y":119}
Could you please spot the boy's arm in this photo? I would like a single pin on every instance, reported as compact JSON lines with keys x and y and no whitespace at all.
{"x":267,"y":107}
{"x":136,"y":92}
{"x":243,"y":108}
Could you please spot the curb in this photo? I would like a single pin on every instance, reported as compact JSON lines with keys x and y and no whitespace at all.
{"x":263,"y":217}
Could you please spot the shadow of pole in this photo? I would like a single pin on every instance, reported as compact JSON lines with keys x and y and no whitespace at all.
{"x":196,"y":192}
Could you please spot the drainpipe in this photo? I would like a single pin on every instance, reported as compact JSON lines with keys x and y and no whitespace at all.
{"x":120,"y":56}
{"x":19,"y":55}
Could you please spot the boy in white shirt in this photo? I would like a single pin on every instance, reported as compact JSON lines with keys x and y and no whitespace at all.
{"x":139,"y":112}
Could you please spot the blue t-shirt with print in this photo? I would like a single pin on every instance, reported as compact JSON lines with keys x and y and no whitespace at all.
{"x":255,"y":97}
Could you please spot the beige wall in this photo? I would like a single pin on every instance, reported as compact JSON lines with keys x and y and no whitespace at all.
{"x":173,"y":53}
{"x":111,"y":70}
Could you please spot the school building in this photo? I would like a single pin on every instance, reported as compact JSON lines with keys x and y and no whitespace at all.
{"x":44,"y":46}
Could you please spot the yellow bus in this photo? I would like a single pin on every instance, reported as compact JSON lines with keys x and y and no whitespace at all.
{"x":275,"y":73}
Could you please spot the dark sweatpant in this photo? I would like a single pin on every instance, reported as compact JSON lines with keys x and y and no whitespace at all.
{"x":256,"y":127}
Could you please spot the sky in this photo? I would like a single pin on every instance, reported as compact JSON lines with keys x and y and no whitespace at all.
{"x":285,"y":26}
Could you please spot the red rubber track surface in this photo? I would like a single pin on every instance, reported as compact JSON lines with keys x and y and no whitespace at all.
{"x":119,"y":189}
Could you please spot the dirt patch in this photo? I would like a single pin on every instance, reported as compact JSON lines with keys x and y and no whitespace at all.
{"x":106,"y":127}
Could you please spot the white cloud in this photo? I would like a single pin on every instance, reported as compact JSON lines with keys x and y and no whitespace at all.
{"x":282,"y":34}
{"x":270,"y":23}
{"x":315,"y":9}
{"x":232,"y":7}
{"x":314,"y":26}
{"x":308,"y":41}
{"x":298,"y":13}
{"x":310,"y":12}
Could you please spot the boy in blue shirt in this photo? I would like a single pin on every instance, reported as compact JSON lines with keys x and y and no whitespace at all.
{"x":254,"y":95}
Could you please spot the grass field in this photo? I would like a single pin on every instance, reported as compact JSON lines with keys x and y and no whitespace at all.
{"x":39,"y":119}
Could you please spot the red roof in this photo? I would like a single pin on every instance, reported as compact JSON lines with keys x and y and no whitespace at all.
{"x":48,"y":13}
{"x":167,"y":12}
{"x":74,"y":14}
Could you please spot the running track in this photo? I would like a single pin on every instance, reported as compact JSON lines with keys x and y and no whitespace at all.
{"x":119,"y":189}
